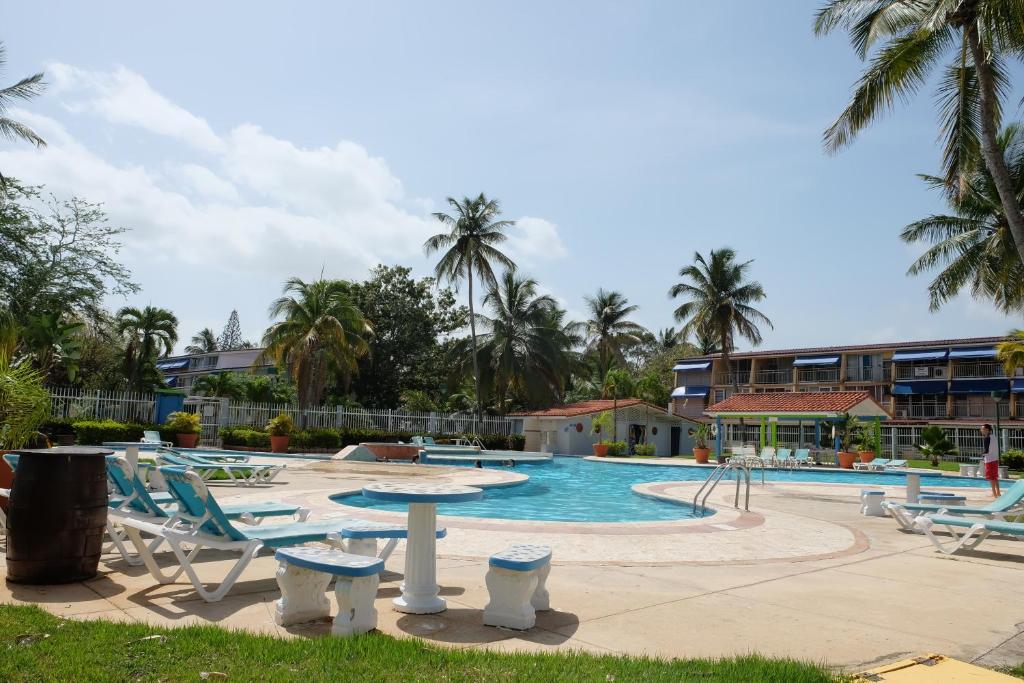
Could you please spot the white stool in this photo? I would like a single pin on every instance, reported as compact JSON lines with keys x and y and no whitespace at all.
{"x":517,"y":586}
{"x":968,"y":470}
{"x":304,"y":574}
{"x":871,"y":502}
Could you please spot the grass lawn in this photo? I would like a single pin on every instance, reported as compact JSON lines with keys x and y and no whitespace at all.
{"x":927,"y":465}
{"x":37,"y":646}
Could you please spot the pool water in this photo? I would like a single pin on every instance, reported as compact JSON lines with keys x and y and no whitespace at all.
{"x":570,"y":489}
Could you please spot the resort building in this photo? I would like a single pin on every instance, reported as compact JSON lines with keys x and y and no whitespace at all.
{"x":181,"y":371}
{"x":957,"y":383}
{"x":567,"y":429}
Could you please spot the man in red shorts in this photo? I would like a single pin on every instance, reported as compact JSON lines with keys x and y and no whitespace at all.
{"x":991,"y":457}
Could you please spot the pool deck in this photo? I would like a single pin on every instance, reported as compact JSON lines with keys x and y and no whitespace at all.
{"x":801,"y":574}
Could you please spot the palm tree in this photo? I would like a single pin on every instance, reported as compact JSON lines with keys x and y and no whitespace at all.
{"x":1011,"y":352}
{"x":720,"y":299}
{"x":669,"y":338}
{"x":473,"y":232}
{"x":150,"y":333}
{"x":979,"y":35}
{"x":706,"y":342}
{"x":617,"y":382}
{"x":974,"y":246}
{"x":24,"y":90}
{"x":526,"y":345}
{"x":609,"y":331}
{"x":203,"y":341}
{"x":218,"y":384}
{"x":323,"y":333}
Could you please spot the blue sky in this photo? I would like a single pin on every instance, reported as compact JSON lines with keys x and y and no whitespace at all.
{"x":246,"y":142}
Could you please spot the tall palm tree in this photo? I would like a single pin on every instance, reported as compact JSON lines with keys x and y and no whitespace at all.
{"x":470,"y":248}
{"x":150,"y":332}
{"x":978,"y":35}
{"x":669,"y":338}
{"x":323,"y":333}
{"x":527,"y":347}
{"x":609,"y":331}
{"x":615,"y":384}
{"x":203,"y":341}
{"x":24,"y":90}
{"x":1011,"y":352}
{"x":973,"y":246}
{"x":219,"y":384}
{"x":707,"y":344}
{"x":720,"y":300}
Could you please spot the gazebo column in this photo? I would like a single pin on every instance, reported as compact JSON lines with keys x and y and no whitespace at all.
{"x":718,"y":437}
{"x":817,"y":433}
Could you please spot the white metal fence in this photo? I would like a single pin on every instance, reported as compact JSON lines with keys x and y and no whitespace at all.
{"x":68,"y":403}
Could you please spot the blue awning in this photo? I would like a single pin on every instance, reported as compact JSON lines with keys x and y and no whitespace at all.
{"x":968,"y":352}
{"x":920,"y":354}
{"x":177,"y":364}
{"x":978,"y":386}
{"x":1018,"y":386}
{"x":816,"y":360}
{"x":690,"y":392}
{"x":171,"y":381}
{"x":923,"y":387}
{"x":683,"y":367}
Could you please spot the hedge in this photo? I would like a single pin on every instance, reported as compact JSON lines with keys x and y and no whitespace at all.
{"x":95,"y":432}
{"x":335,"y":438}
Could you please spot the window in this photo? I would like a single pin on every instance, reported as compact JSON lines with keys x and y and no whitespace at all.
{"x":210,"y":362}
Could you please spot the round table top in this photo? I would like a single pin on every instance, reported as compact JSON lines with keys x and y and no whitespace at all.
{"x":403,"y":492}
{"x":66,"y":450}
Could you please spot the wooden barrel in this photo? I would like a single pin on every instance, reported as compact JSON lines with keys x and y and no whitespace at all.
{"x":57,"y":515}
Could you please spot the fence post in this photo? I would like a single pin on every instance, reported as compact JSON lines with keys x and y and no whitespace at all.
{"x":339,"y":418}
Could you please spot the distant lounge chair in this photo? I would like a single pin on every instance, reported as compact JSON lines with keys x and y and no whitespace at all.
{"x":976,"y":531}
{"x":241,"y":474}
{"x":802,"y":457}
{"x":768,"y":455}
{"x":895,"y":465}
{"x":153,"y":436}
{"x":783,"y":458}
{"x":1011,"y":502}
{"x":876,"y":464}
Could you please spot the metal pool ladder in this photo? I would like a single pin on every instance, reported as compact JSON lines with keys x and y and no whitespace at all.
{"x":741,"y":464}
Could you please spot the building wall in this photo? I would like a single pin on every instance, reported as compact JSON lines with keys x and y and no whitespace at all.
{"x":565,"y":439}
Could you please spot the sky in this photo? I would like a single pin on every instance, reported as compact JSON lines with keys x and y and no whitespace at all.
{"x":245,"y":143}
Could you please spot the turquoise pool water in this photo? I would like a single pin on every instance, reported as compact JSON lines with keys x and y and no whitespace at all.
{"x":570,"y":489}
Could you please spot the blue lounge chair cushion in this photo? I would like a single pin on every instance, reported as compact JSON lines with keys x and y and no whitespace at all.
{"x":996,"y":525}
{"x":521,"y":558}
{"x":369,"y":529}
{"x":290,"y":534}
{"x":330,"y":561}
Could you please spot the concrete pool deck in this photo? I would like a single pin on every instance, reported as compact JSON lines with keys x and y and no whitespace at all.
{"x":802,"y":574}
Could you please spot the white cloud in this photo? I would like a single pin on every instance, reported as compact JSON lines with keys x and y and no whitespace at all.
{"x":534,"y":240}
{"x":208,"y":184}
{"x":124,"y":97}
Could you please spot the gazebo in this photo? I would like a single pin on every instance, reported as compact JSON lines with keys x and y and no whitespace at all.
{"x":819,"y":407}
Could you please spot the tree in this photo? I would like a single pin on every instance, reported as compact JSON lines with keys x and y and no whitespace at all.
{"x":203,"y":341}
{"x":219,"y":384}
{"x":706,"y":342}
{"x":973,"y":246}
{"x":978,"y":34}
{"x":473,"y":233}
{"x":1011,"y":352}
{"x":231,"y":337}
{"x":101,"y":359}
{"x":669,"y":338}
{"x":617,"y":383}
{"x":526,"y":347}
{"x":720,"y":299}
{"x":150,"y":333}
{"x":323,"y":334}
{"x":935,"y":444}
{"x":23,"y":90}
{"x":24,"y":401}
{"x":608,"y":330}
{"x":267,"y":388}
{"x":410,"y":318}
{"x":61,"y":258}
{"x":53,"y":344}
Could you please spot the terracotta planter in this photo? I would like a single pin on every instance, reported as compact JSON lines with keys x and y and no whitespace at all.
{"x":846,"y":460}
{"x":187,"y":440}
{"x":701,"y":455}
{"x":600,"y":449}
{"x":279,"y":444}
{"x":866,"y":456}
{"x":6,"y":479}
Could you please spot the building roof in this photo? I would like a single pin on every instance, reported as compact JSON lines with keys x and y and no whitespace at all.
{"x":856,"y":347}
{"x":797,"y":402}
{"x":586,"y":408}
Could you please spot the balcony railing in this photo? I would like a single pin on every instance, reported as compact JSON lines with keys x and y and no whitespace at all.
{"x":979,"y":370}
{"x":773,"y":377}
{"x":871,"y":373}
{"x":818,"y":375}
{"x":920,"y":372}
{"x":730,"y":378}
{"x":980,"y":409}
{"x":921,"y":410}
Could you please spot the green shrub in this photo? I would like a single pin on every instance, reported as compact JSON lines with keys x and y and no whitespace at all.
{"x":338,"y":439}
{"x":282,"y":425}
{"x":55,"y":427}
{"x":316,"y":438}
{"x":645,"y":449}
{"x":183,"y":423}
{"x":1013,"y":459}
{"x":617,"y":448}
{"x":95,"y":432}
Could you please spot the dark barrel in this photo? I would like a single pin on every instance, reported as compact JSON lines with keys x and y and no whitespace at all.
{"x":57,"y":515}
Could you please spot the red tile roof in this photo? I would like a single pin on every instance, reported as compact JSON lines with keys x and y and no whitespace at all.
{"x":793,"y":402}
{"x":584,"y":408}
{"x":813,"y":350}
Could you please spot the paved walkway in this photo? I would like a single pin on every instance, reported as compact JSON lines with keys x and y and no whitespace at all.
{"x":802,"y":575}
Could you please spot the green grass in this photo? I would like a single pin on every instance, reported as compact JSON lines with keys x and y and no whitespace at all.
{"x":37,"y":646}
{"x":927,"y":465}
{"x":1017,"y":671}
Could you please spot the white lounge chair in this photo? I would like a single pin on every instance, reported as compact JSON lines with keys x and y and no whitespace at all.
{"x":153,"y":436}
{"x":802,"y":457}
{"x":1011,"y":502}
{"x":975,"y":532}
{"x":768,"y":455}
{"x":783,"y":457}
{"x":240,"y":474}
{"x":876,"y":464}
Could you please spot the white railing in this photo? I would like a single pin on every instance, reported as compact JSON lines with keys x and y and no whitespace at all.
{"x":69,"y":403}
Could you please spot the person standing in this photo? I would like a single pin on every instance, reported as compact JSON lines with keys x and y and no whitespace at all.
{"x":990,"y":448}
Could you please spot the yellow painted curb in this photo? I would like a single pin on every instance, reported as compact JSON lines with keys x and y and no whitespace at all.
{"x":933,"y":668}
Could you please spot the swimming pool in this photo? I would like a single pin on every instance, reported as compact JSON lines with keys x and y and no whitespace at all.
{"x":570,"y":489}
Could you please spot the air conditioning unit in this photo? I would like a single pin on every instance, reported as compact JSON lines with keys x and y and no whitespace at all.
{"x":940,"y":373}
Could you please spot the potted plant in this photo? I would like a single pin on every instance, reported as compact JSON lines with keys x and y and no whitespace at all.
{"x":870,"y":441}
{"x":186,"y":428}
{"x":603,"y":423}
{"x":280,"y":429}
{"x":847,"y":428}
{"x":701,"y":452}
{"x":935,"y":444}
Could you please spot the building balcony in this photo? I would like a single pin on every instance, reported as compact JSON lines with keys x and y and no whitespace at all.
{"x":912,"y":372}
{"x":773,"y":376}
{"x":871,"y":373}
{"x":731,"y":378}
{"x":818,"y":375}
{"x":980,"y":409}
{"x":979,"y":370}
{"x":923,"y":411}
